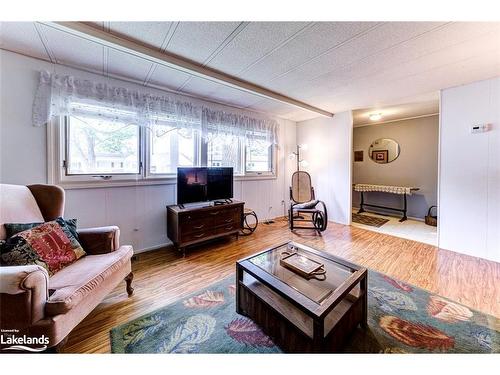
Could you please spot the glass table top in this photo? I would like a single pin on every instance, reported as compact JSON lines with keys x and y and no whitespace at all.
{"x":316,"y":289}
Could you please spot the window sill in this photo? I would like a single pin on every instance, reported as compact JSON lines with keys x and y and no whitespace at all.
{"x":68,"y":185}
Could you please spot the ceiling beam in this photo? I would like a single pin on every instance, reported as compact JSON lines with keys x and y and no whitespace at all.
{"x":172,"y":61}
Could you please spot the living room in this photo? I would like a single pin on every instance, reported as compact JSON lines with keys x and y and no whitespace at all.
{"x":178,"y":186}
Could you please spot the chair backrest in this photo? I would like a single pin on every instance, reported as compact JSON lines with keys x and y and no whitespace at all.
{"x":301,"y":190}
{"x":29,"y":204}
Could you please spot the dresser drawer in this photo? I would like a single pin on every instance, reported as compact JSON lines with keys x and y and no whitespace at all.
{"x":195,"y":236}
{"x":195,"y":225}
{"x":192,"y":216}
{"x":227,"y":216}
{"x":226,"y":228}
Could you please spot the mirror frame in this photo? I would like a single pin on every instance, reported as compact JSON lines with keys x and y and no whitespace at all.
{"x":388,"y":162}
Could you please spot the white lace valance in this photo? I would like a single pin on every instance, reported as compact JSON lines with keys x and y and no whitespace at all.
{"x":67,"y":95}
{"x":218,"y":122}
{"x":62,"y":95}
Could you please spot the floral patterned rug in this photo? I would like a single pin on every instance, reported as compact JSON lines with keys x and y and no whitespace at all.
{"x":401,"y":319}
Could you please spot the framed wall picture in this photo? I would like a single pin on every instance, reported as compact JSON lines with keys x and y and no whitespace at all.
{"x":380,"y":156}
{"x":358,"y":155}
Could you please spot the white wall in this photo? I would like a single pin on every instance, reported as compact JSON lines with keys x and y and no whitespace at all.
{"x":329,"y":158}
{"x":469,"y":171}
{"x":138,"y":210}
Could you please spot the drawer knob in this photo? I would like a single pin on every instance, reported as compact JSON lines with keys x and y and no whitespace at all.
{"x":214,"y":213}
{"x":199,"y":235}
{"x":199,"y":226}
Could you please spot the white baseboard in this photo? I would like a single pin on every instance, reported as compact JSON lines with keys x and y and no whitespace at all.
{"x":155,"y":247}
{"x":169,"y":244}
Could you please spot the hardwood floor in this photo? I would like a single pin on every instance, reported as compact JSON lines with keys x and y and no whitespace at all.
{"x":162,"y":276}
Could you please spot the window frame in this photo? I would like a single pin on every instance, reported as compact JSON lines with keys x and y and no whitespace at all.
{"x":273,"y":160}
{"x":67,"y":161}
{"x":57,"y":148}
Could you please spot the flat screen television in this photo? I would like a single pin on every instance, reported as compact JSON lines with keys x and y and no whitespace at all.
{"x":201,"y":184}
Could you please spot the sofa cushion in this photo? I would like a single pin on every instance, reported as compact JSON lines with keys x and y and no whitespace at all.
{"x":74,"y":283}
{"x":17,"y":205}
{"x":50,"y":245}
{"x":14,"y":228}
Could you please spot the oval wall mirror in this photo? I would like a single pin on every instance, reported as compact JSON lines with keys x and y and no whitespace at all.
{"x":384,"y":150}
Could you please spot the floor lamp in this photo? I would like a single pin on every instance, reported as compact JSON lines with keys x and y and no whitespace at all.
{"x":296,"y":155}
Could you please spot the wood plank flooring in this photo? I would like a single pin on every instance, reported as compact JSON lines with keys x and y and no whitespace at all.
{"x":162,"y":276}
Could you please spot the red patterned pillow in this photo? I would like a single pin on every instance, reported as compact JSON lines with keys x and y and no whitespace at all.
{"x":47,"y":245}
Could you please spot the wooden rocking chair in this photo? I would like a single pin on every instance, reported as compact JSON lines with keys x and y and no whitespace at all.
{"x":304,"y":207}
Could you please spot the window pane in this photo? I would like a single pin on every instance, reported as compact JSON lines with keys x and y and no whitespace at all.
{"x":224,"y":151}
{"x":102,"y":147}
{"x":187,"y":145}
{"x":161,"y":140}
{"x":171,"y":148}
{"x":258,"y":156}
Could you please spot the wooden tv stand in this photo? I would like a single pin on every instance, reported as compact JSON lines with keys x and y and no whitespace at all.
{"x":191,"y":225}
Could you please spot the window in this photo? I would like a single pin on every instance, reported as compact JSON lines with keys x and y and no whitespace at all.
{"x":258,"y":154}
{"x":100,"y":151}
{"x":224,"y":151}
{"x":101,"y":147}
{"x":171,"y":148}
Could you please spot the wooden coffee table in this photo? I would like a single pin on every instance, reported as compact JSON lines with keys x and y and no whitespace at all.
{"x":300,"y":314}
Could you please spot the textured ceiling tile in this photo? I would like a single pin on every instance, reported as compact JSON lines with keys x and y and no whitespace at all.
{"x":22,"y":37}
{"x":75,"y":51}
{"x":197,"y":40}
{"x":234,"y":96}
{"x":444,"y":45}
{"x":150,"y":33}
{"x":487,"y":46}
{"x":362,"y":94}
{"x":363,"y":49}
{"x":275,"y":107}
{"x":200,"y":86}
{"x":255,"y":41}
{"x":125,"y":65}
{"x":167,"y":77}
{"x":313,"y":42}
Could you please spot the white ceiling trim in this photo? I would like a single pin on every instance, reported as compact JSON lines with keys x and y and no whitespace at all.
{"x":111,"y":41}
{"x":396,"y":120}
{"x":45,"y":44}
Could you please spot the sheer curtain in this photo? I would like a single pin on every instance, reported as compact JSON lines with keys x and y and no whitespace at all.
{"x":60,"y":95}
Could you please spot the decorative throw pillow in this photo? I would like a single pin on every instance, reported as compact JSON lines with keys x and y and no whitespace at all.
{"x":67,"y":225}
{"x":47,"y":245}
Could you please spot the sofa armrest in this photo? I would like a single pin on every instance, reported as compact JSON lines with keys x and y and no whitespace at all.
{"x":24,"y":291}
{"x":100,"y":240}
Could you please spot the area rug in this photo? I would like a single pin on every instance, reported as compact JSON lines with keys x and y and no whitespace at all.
{"x":368,"y":220}
{"x":401,"y":319}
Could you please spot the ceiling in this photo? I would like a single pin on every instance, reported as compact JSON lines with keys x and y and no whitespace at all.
{"x":335,"y":66}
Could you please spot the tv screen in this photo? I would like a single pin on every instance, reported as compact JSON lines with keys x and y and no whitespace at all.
{"x":220,"y":183}
{"x":199,"y":184}
{"x":191,"y":185}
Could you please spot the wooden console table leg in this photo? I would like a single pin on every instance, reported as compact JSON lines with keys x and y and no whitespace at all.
{"x":361,"y":209}
{"x":404,"y":218}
